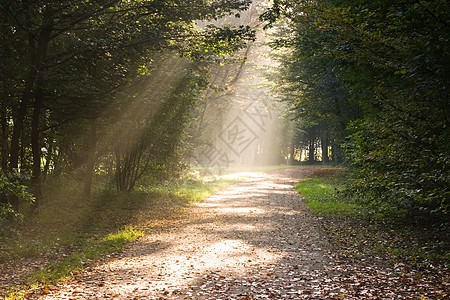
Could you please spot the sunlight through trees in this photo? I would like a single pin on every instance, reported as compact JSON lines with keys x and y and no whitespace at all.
{"x":74,"y":72}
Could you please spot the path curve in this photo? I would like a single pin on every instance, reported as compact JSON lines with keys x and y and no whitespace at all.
{"x":254,"y":240}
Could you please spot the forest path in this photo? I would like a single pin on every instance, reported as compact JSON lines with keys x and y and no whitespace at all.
{"x":254,"y":240}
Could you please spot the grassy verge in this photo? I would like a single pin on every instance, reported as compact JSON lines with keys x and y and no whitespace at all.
{"x":375,"y":255}
{"x":69,"y":234}
{"x":355,"y":235}
{"x":322,"y":192}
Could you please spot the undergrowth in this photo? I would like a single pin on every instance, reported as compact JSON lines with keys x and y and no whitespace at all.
{"x":357,"y":233}
{"x":69,"y":233}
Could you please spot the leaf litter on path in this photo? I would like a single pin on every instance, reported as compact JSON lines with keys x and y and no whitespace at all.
{"x":254,"y":240}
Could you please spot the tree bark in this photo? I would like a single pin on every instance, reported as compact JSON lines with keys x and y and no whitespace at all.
{"x":4,"y":145}
{"x":37,"y":55}
{"x":4,"y":141}
{"x":47,"y":162}
{"x":337,"y":154}
{"x":91,"y":156}
{"x":36,"y":150}
{"x":311,"y":150}
{"x":118,"y":174}
{"x":18,"y":123}
{"x":292,"y":154}
{"x":324,"y":146}
{"x":43,"y":42}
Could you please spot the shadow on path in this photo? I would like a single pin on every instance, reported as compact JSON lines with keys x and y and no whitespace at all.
{"x":254,"y":240}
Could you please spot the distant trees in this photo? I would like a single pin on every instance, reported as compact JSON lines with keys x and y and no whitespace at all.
{"x":376,"y":73}
{"x":71,"y":70}
{"x":308,"y":80}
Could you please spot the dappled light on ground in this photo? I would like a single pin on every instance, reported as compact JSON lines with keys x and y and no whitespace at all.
{"x":254,"y":240}
{"x":255,"y":229}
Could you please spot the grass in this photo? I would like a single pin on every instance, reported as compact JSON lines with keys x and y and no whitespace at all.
{"x":95,"y":249}
{"x":354,"y":234}
{"x":69,"y":264}
{"x":69,"y":233}
{"x":323,"y":191}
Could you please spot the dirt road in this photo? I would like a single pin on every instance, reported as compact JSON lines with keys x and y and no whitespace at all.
{"x":254,"y":240}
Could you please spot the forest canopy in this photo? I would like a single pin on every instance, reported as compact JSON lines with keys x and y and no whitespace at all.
{"x":103,"y":87}
{"x":372,"y":77}
{"x":108,"y":89}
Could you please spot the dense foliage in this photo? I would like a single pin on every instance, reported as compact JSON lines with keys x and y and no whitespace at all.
{"x":376,"y":74}
{"x":103,"y":87}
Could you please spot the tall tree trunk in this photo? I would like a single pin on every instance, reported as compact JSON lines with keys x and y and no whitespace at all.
{"x":118,"y":174}
{"x":37,"y":55}
{"x":48,"y":160}
{"x":4,"y":138}
{"x":292,"y":153}
{"x":324,"y":146}
{"x":36,"y":150}
{"x":17,"y":133}
{"x":4,"y":145}
{"x":59,"y":153}
{"x":311,"y":150}
{"x":90,"y":164}
{"x":336,"y":153}
{"x":18,"y":123}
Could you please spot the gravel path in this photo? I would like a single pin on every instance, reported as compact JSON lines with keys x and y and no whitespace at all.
{"x":254,"y":240}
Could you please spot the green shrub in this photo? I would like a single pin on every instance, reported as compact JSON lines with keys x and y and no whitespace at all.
{"x":396,"y":176}
{"x":11,"y":186}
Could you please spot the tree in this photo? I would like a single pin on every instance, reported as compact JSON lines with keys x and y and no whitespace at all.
{"x":308,"y":81}
{"x":391,"y":60}
{"x":67,"y":62}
